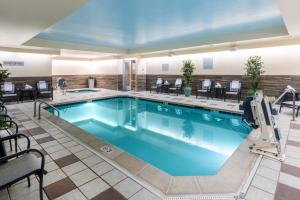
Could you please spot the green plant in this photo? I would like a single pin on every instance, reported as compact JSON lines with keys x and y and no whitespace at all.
{"x":250,"y":93}
{"x":254,"y":70}
{"x":4,"y":74}
{"x":187,"y":70}
{"x":92,"y":77}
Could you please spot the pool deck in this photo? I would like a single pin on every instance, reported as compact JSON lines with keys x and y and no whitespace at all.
{"x":83,"y":167}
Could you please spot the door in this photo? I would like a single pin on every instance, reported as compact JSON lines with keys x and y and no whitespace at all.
{"x":126,"y":76}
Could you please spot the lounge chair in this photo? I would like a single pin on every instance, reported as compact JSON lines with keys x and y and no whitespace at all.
{"x":21,"y":165}
{"x":158,"y":86}
{"x":289,"y":104}
{"x":177,"y":87}
{"x":9,"y":91}
{"x":205,"y":87}
{"x":235,"y":87}
{"x":44,"y":89}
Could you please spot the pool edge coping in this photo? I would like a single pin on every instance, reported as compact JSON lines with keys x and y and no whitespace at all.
{"x":70,"y":128}
{"x":143,"y":97}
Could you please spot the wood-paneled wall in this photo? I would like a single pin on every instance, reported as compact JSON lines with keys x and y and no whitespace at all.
{"x":141,"y":81}
{"x":272,"y":85}
{"x":81,"y":81}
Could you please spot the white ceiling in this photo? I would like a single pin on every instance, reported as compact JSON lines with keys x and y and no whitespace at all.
{"x":83,"y":54}
{"x":21,"y":20}
{"x":142,"y":26}
{"x":290,"y":11}
{"x":136,"y":26}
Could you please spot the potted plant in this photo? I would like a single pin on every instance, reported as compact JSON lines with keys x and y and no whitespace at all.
{"x":91,"y":82}
{"x":254,"y":70}
{"x":4,"y":74}
{"x":187,"y":69}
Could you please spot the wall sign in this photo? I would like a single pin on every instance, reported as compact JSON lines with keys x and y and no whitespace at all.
{"x":165,"y":67}
{"x":12,"y":63}
{"x":208,"y":63}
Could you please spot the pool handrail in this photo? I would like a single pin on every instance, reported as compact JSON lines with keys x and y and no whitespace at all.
{"x":43,"y":102}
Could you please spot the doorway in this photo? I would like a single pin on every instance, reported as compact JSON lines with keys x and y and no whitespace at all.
{"x":129,"y":75}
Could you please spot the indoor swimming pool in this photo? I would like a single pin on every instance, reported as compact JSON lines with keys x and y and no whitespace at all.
{"x":179,"y":140}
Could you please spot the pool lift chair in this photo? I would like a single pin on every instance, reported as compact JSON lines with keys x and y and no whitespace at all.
{"x":261,"y":116}
{"x":62,"y":85}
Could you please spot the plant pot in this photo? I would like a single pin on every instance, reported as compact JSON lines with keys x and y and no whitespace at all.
{"x":187,"y":91}
{"x":91,"y":83}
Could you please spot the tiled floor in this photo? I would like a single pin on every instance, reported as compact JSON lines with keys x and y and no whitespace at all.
{"x":75,"y":172}
{"x":288,"y":186}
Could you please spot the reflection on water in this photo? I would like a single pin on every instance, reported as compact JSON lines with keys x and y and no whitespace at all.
{"x":179,"y":140}
{"x":188,"y":129}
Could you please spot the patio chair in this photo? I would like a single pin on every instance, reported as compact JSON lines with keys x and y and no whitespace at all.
{"x":44,"y":89}
{"x":3,"y":109}
{"x":289,"y":104}
{"x":158,"y":86}
{"x":234,"y":89}
{"x":205,"y":86}
{"x":177,"y":86}
{"x":9,"y":91}
{"x":6,"y":123}
{"x":21,"y":165}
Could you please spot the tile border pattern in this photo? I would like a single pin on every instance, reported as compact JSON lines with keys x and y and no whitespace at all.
{"x":267,"y":171}
{"x":288,"y":186}
{"x":57,"y":183}
{"x":241,"y":172}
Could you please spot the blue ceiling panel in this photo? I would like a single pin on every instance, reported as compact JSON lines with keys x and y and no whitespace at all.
{"x":131,"y":24}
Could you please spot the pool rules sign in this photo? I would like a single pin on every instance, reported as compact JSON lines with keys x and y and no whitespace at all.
{"x":6,"y":63}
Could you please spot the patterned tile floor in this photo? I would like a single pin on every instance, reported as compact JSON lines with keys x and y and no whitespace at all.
{"x":288,"y":186}
{"x":75,"y":172}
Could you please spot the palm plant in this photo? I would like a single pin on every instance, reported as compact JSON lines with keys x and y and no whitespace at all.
{"x":187,"y":69}
{"x":254,"y":70}
{"x":4,"y":74}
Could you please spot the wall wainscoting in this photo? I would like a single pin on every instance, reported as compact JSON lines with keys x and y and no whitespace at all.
{"x":141,"y":81}
{"x":113,"y":82}
{"x":272,"y":85}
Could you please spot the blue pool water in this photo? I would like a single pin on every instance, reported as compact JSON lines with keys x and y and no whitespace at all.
{"x":179,"y":140}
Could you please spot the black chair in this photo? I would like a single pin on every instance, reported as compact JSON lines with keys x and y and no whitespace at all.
{"x":9,"y":91}
{"x":3,"y":109}
{"x":43,"y":88}
{"x":21,"y":165}
{"x":177,"y":86}
{"x":235,"y":87}
{"x":158,"y":86}
{"x":289,"y":104}
{"x":6,"y":123}
{"x":205,"y":86}
{"x":165,"y":86}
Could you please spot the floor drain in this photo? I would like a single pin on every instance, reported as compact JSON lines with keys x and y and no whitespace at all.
{"x":107,"y":149}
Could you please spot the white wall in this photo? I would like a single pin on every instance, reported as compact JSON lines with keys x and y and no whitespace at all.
{"x":72,"y":67}
{"x":278,"y":61}
{"x":34,"y":64}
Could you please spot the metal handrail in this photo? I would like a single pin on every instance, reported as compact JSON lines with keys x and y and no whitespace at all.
{"x":289,"y":89}
{"x":43,"y":102}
